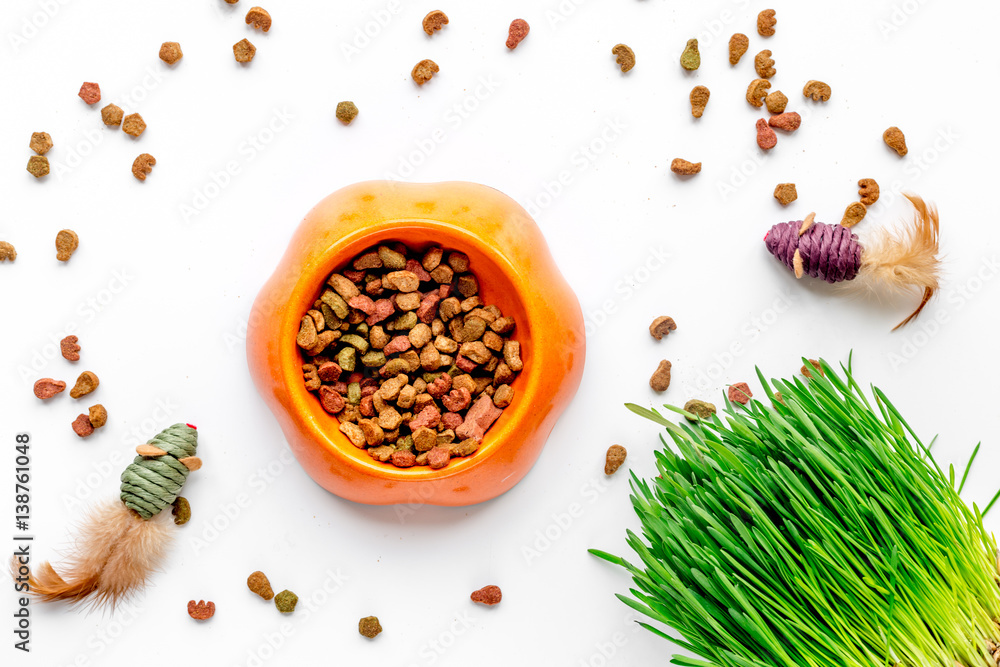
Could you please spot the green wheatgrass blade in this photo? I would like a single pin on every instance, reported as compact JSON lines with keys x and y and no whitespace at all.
{"x":815,"y":531}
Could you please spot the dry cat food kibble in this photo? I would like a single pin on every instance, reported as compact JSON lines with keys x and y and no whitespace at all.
{"x":614,"y":459}
{"x":817,"y":90}
{"x":816,"y":365}
{"x":90,"y":93}
{"x":7,"y":252}
{"x":181,"y":511}
{"x":38,"y":166}
{"x":739,"y":393}
{"x":690,"y":58}
{"x":624,"y":56}
{"x":98,"y":415}
{"x":401,"y":347}
{"x":766,"y":138}
{"x":40,"y":142}
{"x":143,"y":165}
{"x":662,"y":326}
{"x":660,"y":380}
{"x":201,"y":610}
{"x":785,"y":193}
{"x":894,"y":139}
{"x":699,"y":100}
{"x":435,"y":20}
{"x":369,"y":627}
{"x":787,"y":122}
{"x":66,"y":244}
{"x":488,"y":595}
{"x":244,"y":51}
{"x":70,"y":348}
{"x":258,"y":18}
{"x":764,"y":64}
{"x":738,"y":45}
{"x":346,"y":112}
{"x":682,"y":167}
{"x":112,"y":115}
{"x":868,"y":191}
{"x":85,"y":384}
{"x":259,"y":584}
{"x":766,"y":23}
{"x":285,"y":601}
{"x":853,"y":214}
{"x":133,"y":125}
{"x":776,"y":102}
{"x":170,"y":52}
{"x":424,"y":71}
{"x":700,"y":409}
{"x":757,"y":91}
{"x":82,"y":426}
{"x":518,"y":30}
{"x":47,"y":388}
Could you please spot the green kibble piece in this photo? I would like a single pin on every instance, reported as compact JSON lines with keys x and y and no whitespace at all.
{"x":691,"y":59}
{"x":355,"y":341}
{"x":346,"y":359}
{"x":354,"y":393}
{"x":332,"y":321}
{"x":454,"y":371}
{"x":395,"y":367}
{"x":373,"y":359}
{"x":181,"y":511}
{"x":405,"y":443}
{"x":391,"y":260}
{"x":429,"y":378}
{"x":362,"y":330}
{"x":336,"y":303}
{"x":404,"y":322}
{"x":347,"y":111}
{"x":285,"y":601}
{"x":703,"y":409}
{"x":369,"y":626}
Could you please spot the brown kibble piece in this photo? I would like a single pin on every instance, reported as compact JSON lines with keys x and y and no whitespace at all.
{"x":258,"y":18}
{"x":764,"y":64}
{"x":181,"y":511}
{"x":518,"y":30}
{"x":7,"y":252}
{"x":624,"y":56}
{"x":738,"y":45}
{"x":682,"y":167}
{"x":817,"y":90}
{"x":90,"y":93}
{"x":853,"y":214}
{"x":258,"y":583}
{"x":66,"y":244}
{"x":201,"y":610}
{"x":766,"y":23}
{"x":47,"y":388}
{"x":868,"y":191}
{"x":143,"y":165}
{"x":346,"y":112}
{"x":435,"y":20}
{"x":133,"y":125}
{"x":614,"y":459}
{"x":369,"y":627}
{"x":787,"y":122}
{"x":662,"y":326}
{"x":424,"y":71}
{"x":816,"y":366}
{"x":785,"y":193}
{"x":98,"y":415}
{"x":170,"y":52}
{"x":660,"y":380}
{"x":244,"y":51}
{"x":488,"y":595}
{"x":38,"y":166}
{"x":776,"y":102}
{"x":85,"y":384}
{"x":757,"y":91}
{"x":894,"y":139}
{"x":112,"y":115}
{"x":699,"y":100}
{"x":82,"y":426}
{"x":40,"y":142}
{"x":766,"y":138}
{"x":739,"y":393}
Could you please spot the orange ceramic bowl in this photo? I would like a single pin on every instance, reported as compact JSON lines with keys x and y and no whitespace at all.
{"x":516,"y":272}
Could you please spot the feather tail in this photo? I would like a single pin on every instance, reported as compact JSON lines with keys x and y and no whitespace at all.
{"x":114,"y":555}
{"x":900,"y":261}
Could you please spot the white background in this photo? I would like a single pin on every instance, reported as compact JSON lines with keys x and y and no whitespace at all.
{"x":161,"y":286}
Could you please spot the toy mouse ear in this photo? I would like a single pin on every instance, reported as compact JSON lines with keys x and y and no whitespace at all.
{"x":149,"y":451}
{"x":191,"y":462}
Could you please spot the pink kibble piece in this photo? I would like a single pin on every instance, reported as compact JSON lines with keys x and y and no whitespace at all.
{"x":766,"y":138}
{"x":740,"y":393}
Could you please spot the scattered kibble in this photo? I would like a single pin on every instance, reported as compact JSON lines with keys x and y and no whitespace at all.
{"x":764,"y":64}
{"x":98,"y":415}
{"x":369,"y":627}
{"x":488,"y":595}
{"x":868,"y":191}
{"x":7,"y":252}
{"x":614,"y":459}
{"x":112,"y":115}
{"x":624,"y":56}
{"x":66,"y":244}
{"x":346,"y":112}
{"x":739,"y":393}
{"x":817,"y":90}
{"x":82,"y":426}
{"x":90,"y":93}
{"x":660,"y":380}
{"x":133,"y":125}
{"x":682,"y":167}
{"x":662,"y":326}
{"x":285,"y":601}
{"x":435,"y":20}
{"x":259,"y":18}
{"x":424,"y":71}
{"x":738,"y":45}
{"x":700,"y":409}
{"x":690,"y":58}
{"x":85,"y":384}
{"x":894,"y":139}
{"x":766,"y":22}
{"x":785,"y":193}
{"x":757,"y":91}
{"x":38,"y":166}
{"x":143,"y":165}
{"x":699,"y":100}
{"x":518,"y":30}
{"x":766,"y":138}
{"x":816,"y":365}
{"x":47,"y":388}
{"x":181,"y":511}
{"x":776,"y":102}
{"x":853,"y":214}
{"x":786,"y":122}
{"x":244,"y":51}
{"x":259,"y":584}
{"x":201,"y":610}
{"x":40,"y":142}
{"x":170,"y":52}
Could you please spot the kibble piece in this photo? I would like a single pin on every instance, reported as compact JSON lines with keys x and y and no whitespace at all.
{"x":853,"y":214}
{"x":423,"y":71}
{"x":660,"y":379}
{"x":868,"y":191}
{"x":82,"y":426}
{"x":682,"y":167}
{"x":40,"y":142}
{"x":614,"y":459}
{"x":181,"y":511}
{"x":785,"y":193}
{"x":817,"y":90}
{"x":699,"y":100}
{"x":624,"y":56}
{"x":7,"y":252}
{"x":347,"y":112}
{"x":112,"y":115}
{"x":143,"y":165}
{"x":816,"y":365}
{"x":787,"y":122}
{"x":38,"y":166}
{"x":503,"y":395}
{"x":259,"y":584}
{"x":662,"y":326}
{"x":133,"y":125}
{"x":690,"y":58}
{"x":757,"y":91}
{"x":766,"y":138}
{"x":258,"y":18}
{"x":764,"y":64}
{"x":201,"y":610}
{"x":66,"y":244}
{"x":47,"y":388}
{"x":435,"y":20}
{"x":369,"y":627}
{"x":776,"y":102}
{"x":488,"y":595}
{"x":90,"y":93}
{"x":518,"y":30}
{"x":739,"y":393}
{"x":894,"y":139}
{"x":701,"y":409}
{"x":738,"y":45}
{"x":170,"y":52}
{"x":285,"y":601}
{"x":244,"y":51}
{"x":766,"y":23}
{"x":85,"y":384}
{"x":98,"y":415}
